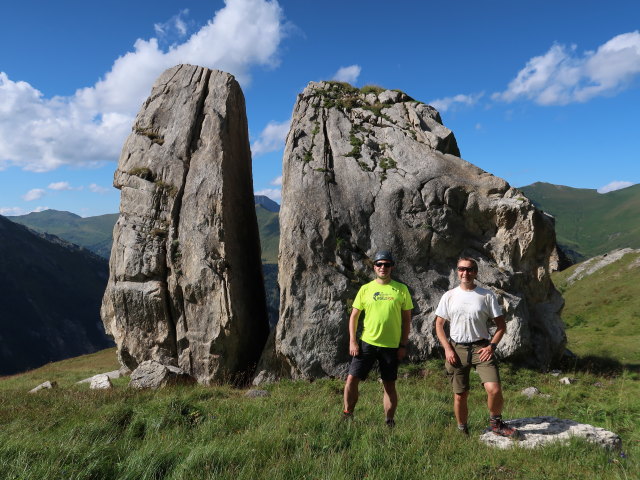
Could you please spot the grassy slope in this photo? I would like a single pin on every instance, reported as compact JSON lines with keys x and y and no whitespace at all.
{"x":602,"y":311}
{"x":217,"y":432}
{"x":589,"y":222}
{"x":269,"y":226}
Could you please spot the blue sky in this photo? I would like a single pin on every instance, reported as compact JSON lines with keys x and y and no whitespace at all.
{"x":533,"y":90}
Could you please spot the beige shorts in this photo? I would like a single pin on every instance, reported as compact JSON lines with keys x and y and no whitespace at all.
{"x":468,"y":355}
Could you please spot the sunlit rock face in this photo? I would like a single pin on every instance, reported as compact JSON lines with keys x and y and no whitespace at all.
{"x":185,"y":285}
{"x":369,"y":169}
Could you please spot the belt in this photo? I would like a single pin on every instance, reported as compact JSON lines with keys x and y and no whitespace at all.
{"x":469,"y":344}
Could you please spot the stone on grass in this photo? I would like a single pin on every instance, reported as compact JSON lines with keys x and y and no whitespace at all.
{"x":538,"y":431}
{"x":44,"y":386}
{"x":555,"y":373}
{"x":254,"y":393}
{"x":113,"y":375}
{"x":152,"y":374}
{"x":530,"y":392}
{"x":568,"y":380}
{"x":100,"y":382}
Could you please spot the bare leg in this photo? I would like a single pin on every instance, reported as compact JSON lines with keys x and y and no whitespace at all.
{"x":390,"y":398}
{"x":351,"y":393}
{"x":460,"y":407}
{"x":494,"y":397}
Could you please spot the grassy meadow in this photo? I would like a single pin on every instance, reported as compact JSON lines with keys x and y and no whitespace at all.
{"x":296,"y":433}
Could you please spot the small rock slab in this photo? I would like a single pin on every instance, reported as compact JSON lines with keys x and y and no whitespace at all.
{"x":152,"y":374}
{"x":254,"y":393}
{"x":113,"y":374}
{"x":100,"y":382}
{"x":44,"y":386}
{"x":537,"y":431}
{"x":568,"y":380}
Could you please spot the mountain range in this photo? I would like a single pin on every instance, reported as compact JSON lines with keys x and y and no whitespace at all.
{"x":589,"y":223}
{"x":50,"y":298}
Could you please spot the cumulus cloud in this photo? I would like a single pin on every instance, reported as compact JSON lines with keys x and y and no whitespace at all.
{"x":272,"y":138}
{"x":34,"y":194}
{"x":348,"y":74}
{"x":177,"y":24}
{"x":277,"y":181}
{"x":95,"y":188}
{"x":447,"y":103}
{"x":615,"y":185}
{"x":89,"y":127}
{"x":60,"y":186}
{"x":11,"y":211}
{"x":563,"y":76}
{"x":274,"y":194}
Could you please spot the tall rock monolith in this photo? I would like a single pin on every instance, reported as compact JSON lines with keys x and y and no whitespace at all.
{"x":185,"y":286}
{"x":366,"y":170}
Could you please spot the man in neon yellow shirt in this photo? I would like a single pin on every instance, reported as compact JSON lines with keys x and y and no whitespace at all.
{"x":387,"y":305}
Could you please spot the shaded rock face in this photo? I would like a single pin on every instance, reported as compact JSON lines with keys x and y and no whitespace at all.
{"x":366,"y":171}
{"x":185,"y":286}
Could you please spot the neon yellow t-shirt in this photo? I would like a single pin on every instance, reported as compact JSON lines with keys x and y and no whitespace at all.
{"x":382,"y":305}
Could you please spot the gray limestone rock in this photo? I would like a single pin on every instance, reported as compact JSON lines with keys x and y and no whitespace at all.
{"x":100,"y":382}
{"x":185,"y":286}
{"x":530,"y":392}
{"x":152,"y":374}
{"x":538,"y":431}
{"x":112,"y":375}
{"x":568,"y":380}
{"x":48,"y":385}
{"x":361,"y":177}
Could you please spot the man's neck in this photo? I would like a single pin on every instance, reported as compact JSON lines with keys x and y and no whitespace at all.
{"x":468,"y":287}
{"x":383,"y":281}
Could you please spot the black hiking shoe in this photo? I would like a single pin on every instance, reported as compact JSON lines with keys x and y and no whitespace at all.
{"x":464,"y":429}
{"x":390,"y":422}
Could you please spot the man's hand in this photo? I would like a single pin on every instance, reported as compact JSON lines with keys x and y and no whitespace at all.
{"x":485,"y":353}
{"x":354,"y":349}
{"x":402,"y":352}
{"x":451,"y":356}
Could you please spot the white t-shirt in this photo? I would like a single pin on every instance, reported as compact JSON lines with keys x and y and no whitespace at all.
{"x":468,"y":313}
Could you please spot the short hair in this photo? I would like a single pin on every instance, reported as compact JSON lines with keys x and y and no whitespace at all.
{"x":469,"y":259}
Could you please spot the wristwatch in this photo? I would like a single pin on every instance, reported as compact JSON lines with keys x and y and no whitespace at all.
{"x":402,"y":345}
{"x":494,"y":345}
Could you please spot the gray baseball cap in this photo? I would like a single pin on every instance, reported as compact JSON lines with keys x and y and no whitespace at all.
{"x":383,"y":255}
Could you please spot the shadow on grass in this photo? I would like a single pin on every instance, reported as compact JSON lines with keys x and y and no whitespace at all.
{"x":596,"y":364}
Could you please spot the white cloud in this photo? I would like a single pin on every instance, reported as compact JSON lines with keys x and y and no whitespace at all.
{"x":615,"y":185}
{"x":60,"y":186}
{"x":446,"y":103}
{"x":98,"y":189}
{"x":348,"y":74}
{"x":176,"y":24}
{"x":277,"y":181}
{"x":562,"y":76}
{"x":272,"y":138}
{"x":10,"y":211}
{"x":88,"y":128}
{"x":34,"y":194}
{"x":274,"y":194}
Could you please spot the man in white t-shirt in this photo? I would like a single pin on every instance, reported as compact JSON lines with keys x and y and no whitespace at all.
{"x":468,"y":308}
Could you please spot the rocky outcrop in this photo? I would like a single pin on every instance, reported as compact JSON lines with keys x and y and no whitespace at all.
{"x":589,"y":267}
{"x":185,"y":286}
{"x":539,"y":431}
{"x":366,"y":170}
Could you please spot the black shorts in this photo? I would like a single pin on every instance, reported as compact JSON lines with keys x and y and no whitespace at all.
{"x":387,"y":359}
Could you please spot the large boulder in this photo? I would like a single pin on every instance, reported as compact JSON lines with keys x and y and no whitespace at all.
{"x":370,"y":170}
{"x":185,"y":286}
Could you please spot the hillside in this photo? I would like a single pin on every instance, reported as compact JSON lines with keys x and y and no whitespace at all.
{"x":93,"y":233}
{"x":588,"y":222}
{"x":50,"y":299}
{"x":602,"y":309}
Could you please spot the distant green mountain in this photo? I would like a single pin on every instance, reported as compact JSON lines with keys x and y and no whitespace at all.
{"x":93,"y":233}
{"x":269,"y":226}
{"x":602,"y":306}
{"x":588,"y":222}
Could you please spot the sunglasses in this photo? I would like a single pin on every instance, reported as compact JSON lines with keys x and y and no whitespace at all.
{"x":466,"y":269}
{"x":383,"y":264}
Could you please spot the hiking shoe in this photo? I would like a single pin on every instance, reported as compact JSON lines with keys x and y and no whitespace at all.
{"x":502,"y":429}
{"x":346,"y":416}
{"x":463,"y":429}
{"x":390,"y":422}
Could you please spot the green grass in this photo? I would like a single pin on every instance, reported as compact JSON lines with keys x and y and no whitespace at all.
{"x":602,"y":310}
{"x":216,"y":432}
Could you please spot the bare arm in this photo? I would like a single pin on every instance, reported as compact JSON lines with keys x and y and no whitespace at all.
{"x":404,"y":338}
{"x":354,"y":348}
{"x":449,"y":353}
{"x":487,"y":352}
